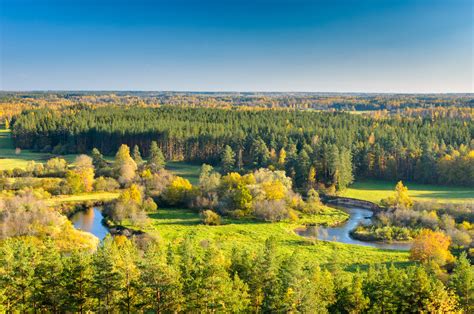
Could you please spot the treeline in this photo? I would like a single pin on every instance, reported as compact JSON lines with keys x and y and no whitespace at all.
{"x":333,"y":145}
{"x":318,"y":101}
{"x":198,"y":277}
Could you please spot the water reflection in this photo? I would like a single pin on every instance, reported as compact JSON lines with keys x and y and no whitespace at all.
{"x":90,"y":220}
{"x":341,"y":233}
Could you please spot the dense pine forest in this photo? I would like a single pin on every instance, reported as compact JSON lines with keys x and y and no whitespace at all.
{"x":193,"y":277}
{"x":332,"y":147}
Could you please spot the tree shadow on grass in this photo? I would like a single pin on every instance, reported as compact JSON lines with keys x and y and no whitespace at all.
{"x":467,"y":194}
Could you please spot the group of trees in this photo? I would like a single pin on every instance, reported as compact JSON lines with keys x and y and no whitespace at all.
{"x":263,"y":194}
{"x":332,"y":146}
{"x":190,"y":277}
{"x":402,"y":219}
{"x":27,"y":216}
{"x":431,"y":105}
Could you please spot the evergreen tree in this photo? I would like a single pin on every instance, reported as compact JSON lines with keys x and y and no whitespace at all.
{"x":345,"y":170}
{"x":462,"y":281}
{"x":137,"y":157}
{"x":77,"y":278}
{"x":269,"y":271}
{"x":227,"y":159}
{"x":260,"y":153}
{"x":47,"y":291}
{"x":156,"y":159}
{"x":334,"y":166}
{"x":106,"y":279}
{"x":98,"y":159}
{"x":304,"y":164}
{"x":18,"y":260}
{"x":162,"y":291}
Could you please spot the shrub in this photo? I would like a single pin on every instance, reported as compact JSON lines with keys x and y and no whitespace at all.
{"x":177,"y":191}
{"x":56,"y":166}
{"x":271,"y":210}
{"x":210,"y":218}
{"x":149,"y":205}
{"x":106,"y":184}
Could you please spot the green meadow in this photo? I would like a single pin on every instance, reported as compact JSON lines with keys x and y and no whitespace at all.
{"x":185,"y":170}
{"x":375,"y":190}
{"x":173,"y":225}
{"x":11,"y":159}
{"x":83,"y":198}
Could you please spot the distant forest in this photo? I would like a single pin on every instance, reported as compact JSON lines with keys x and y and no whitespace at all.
{"x":331,"y":146}
{"x":408,"y":104}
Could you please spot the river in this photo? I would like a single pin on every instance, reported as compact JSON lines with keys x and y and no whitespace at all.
{"x":340,"y":233}
{"x":90,"y":220}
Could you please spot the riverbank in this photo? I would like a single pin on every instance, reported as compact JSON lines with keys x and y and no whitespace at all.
{"x":342,"y":233}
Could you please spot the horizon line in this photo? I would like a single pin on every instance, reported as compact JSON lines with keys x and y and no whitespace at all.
{"x":240,"y":91}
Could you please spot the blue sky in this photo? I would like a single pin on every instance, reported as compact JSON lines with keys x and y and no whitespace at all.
{"x":226,"y":45}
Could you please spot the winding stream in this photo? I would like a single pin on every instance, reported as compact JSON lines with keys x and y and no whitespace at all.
{"x":340,"y":233}
{"x":90,"y":220}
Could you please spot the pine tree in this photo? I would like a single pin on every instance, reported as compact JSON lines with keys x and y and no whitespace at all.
{"x":106,"y":280}
{"x":304,"y":164}
{"x":162,"y":291}
{"x":98,"y":159}
{"x":18,"y":260}
{"x":269,"y":271}
{"x":462,"y":282}
{"x":48,"y":284}
{"x":156,"y":160}
{"x":334,"y":164}
{"x":77,"y":279}
{"x":346,"y":176}
{"x":227,"y":159}
{"x":137,"y":157}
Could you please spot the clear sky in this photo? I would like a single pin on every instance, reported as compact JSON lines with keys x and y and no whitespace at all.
{"x":226,"y":45}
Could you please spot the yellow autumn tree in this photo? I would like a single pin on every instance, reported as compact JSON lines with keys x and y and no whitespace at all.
{"x":132,"y":194}
{"x":282,"y":157}
{"x":85,"y":169}
{"x":177,"y":191}
{"x":431,"y":246}
{"x":400,"y":198}
{"x":274,"y":190}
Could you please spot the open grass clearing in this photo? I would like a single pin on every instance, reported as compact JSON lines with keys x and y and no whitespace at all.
{"x":83,"y":198}
{"x":10,"y":158}
{"x":375,"y":190}
{"x":186,"y":170}
{"x":173,"y":225}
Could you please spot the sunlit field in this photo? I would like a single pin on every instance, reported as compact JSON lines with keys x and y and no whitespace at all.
{"x":173,"y":224}
{"x":374,"y":191}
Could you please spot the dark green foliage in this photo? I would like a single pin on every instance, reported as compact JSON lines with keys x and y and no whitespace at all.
{"x":462,"y":281}
{"x":227,"y":159}
{"x":199,"y":277}
{"x":337,"y":144}
{"x":156,"y":160}
{"x":136,"y":155}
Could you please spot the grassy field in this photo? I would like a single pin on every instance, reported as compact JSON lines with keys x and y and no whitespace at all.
{"x":175,"y":224}
{"x":10,"y":159}
{"x":374,"y":191}
{"x":84,"y":197}
{"x":185,"y":170}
